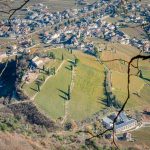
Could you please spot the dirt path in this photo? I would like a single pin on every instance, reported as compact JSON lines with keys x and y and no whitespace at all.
{"x":67,"y":101}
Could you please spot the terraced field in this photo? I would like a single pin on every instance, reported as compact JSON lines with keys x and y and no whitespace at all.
{"x":138,"y":87}
{"x":138,"y":90}
{"x":86,"y":90}
{"x":87,"y":87}
{"x":52,"y":97}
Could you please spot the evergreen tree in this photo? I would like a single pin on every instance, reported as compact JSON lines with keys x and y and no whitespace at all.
{"x":71,"y":67}
{"x":43,"y":68}
{"x":140,"y":74}
{"x":96,"y":52}
{"x":38,"y":87}
{"x":48,"y":71}
{"x":76,"y":62}
{"x":53,"y":71}
{"x":69,"y":92}
{"x":43,"y":78}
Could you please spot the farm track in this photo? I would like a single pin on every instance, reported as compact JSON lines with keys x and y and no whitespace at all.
{"x":67,"y":102}
{"x":48,"y":79}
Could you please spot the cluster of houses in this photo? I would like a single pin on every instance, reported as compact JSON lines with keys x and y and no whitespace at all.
{"x":74,"y":34}
{"x":22,"y":46}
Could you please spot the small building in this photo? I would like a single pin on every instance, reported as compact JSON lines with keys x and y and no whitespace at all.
{"x":36,"y":62}
{"x":122,"y":125}
{"x":108,"y":123}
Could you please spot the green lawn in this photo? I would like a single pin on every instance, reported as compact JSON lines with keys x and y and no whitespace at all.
{"x":119,"y":84}
{"x":29,"y":88}
{"x":88,"y":87}
{"x":146,"y":74}
{"x":50,"y":99}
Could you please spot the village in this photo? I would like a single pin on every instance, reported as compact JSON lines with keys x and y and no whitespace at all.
{"x":51,"y":40}
{"x":71,"y":27}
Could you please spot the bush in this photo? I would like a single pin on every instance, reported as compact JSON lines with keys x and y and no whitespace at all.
{"x":3,"y":127}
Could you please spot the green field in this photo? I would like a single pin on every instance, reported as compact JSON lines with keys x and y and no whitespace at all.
{"x":137,"y":85}
{"x":119,"y":76}
{"x":30,"y":89}
{"x":146,"y":74}
{"x":50,"y":99}
{"x":88,"y":87}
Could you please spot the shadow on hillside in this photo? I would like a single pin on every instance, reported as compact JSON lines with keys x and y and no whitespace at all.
{"x":68,"y":68}
{"x":63,"y":94}
{"x":103,"y":101}
{"x":146,"y":79}
{"x":71,"y":62}
{"x":63,"y":97}
{"x":34,"y":89}
{"x":8,"y":79}
{"x":89,"y":53}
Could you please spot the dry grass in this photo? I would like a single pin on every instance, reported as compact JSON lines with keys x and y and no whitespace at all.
{"x":17,"y":142}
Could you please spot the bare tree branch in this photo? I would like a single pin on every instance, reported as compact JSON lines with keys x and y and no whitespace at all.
{"x":14,"y":10}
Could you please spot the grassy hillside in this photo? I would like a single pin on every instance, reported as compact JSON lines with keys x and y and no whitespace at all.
{"x":29,"y":88}
{"x":52,"y":96}
{"x":137,"y":86}
{"x":119,"y":76}
{"x":88,"y":87}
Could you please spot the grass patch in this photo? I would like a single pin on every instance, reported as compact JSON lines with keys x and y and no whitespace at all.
{"x":119,"y":82}
{"x":87,"y":89}
{"x":30,"y":89}
{"x":134,"y":32}
{"x":137,"y":85}
{"x":50,"y":98}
